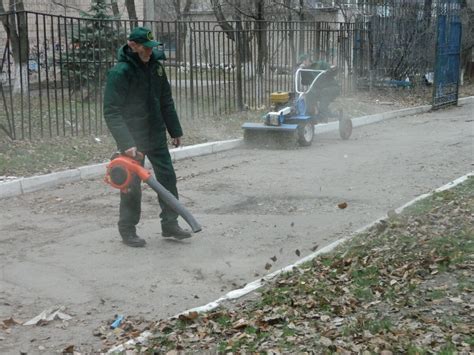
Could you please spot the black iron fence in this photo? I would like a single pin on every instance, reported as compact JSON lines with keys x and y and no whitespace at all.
{"x":53,"y":68}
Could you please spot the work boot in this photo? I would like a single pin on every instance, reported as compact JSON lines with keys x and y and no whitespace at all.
{"x":174,"y":231}
{"x":133,"y":240}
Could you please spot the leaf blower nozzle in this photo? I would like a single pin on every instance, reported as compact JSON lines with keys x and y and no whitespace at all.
{"x":118,"y":176}
{"x":122,"y":169}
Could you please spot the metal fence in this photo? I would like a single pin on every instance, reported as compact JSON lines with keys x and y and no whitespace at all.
{"x":398,"y":49}
{"x":57,"y":90}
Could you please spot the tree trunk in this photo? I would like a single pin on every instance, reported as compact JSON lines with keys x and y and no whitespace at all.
{"x":262,"y":49}
{"x":116,"y":13}
{"x":231,"y":33}
{"x":291,"y":35}
{"x":18,"y":38}
{"x":261,"y":27}
{"x":226,"y":27}
{"x":427,"y":12}
{"x":132,"y":12}
{"x":238,"y":60}
{"x":301,"y":32}
{"x":115,"y":8}
{"x":182,"y":28}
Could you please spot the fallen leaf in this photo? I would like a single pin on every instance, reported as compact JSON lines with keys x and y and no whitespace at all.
{"x":10,"y":322}
{"x":325,"y":341}
{"x":342,"y":205}
{"x":268,"y":266}
{"x":297,"y":252}
{"x":241,"y":323}
{"x":68,"y":350}
{"x":315,"y":247}
{"x":189,"y":316}
{"x":273,"y":258}
{"x":456,"y":299}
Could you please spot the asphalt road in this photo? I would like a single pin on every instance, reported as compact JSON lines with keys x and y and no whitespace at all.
{"x":61,"y":247}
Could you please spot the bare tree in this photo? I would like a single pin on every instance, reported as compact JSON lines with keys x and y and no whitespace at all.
{"x":132,"y":11}
{"x":182,"y":27}
{"x":234,"y":22}
{"x":15,"y":25}
{"x":65,"y":6}
{"x":115,"y":8}
{"x":467,"y":40}
{"x":175,"y":10}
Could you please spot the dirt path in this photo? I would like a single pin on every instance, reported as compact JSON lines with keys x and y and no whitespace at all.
{"x":60,"y":247}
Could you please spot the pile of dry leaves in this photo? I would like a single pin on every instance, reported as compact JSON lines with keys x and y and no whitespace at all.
{"x":404,"y":286}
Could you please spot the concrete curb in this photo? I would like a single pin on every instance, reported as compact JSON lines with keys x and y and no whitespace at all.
{"x":35,"y":183}
{"x":365,"y":120}
{"x":252,"y":286}
{"x":11,"y":188}
{"x":39,"y":182}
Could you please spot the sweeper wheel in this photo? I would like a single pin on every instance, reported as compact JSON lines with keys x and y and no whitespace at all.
{"x":345,"y":126}
{"x":306,"y":134}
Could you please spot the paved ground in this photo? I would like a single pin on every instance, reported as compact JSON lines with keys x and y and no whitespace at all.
{"x":60,"y":247}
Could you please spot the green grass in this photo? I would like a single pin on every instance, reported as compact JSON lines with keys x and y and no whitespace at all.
{"x":24,"y":158}
{"x":436,"y":294}
{"x":415,"y":350}
{"x":378,"y":325}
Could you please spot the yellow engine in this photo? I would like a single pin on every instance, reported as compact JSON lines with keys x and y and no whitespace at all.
{"x":279,"y":97}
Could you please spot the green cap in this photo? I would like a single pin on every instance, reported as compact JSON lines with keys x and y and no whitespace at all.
{"x":143,"y":36}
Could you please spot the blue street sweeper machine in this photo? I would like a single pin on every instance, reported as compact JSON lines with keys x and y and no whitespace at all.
{"x":295,"y":114}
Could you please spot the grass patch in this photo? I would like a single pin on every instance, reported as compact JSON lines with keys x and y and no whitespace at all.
{"x":24,"y":158}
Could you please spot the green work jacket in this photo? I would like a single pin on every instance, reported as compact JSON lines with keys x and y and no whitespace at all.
{"x":138,"y":106}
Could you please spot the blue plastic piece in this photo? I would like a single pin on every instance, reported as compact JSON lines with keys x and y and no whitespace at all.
{"x":281,"y":119}
{"x":117,"y":322}
{"x":300,"y":106}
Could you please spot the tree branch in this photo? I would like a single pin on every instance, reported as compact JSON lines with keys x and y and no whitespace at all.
{"x":228,"y":29}
{"x":132,"y":12}
{"x":55,"y":2}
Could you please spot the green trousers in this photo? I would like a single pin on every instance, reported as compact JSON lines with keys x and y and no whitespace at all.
{"x":130,"y":202}
{"x":322,"y":97}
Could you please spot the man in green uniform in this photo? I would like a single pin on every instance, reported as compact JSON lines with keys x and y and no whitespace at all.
{"x":325,"y":90}
{"x":139,"y":109}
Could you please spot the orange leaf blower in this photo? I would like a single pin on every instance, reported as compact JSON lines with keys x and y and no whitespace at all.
{"x":122,"y":169}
